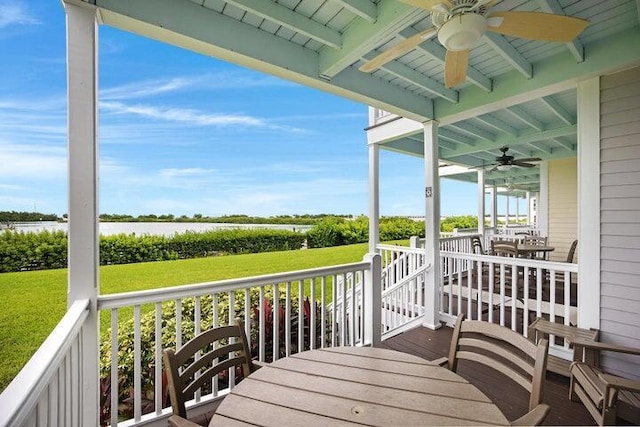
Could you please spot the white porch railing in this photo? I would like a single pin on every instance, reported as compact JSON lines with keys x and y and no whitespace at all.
{"x":290,"y":312}
{"x":486,"y":287}
{"x":48,"y":390}
{"x":403,"y":288}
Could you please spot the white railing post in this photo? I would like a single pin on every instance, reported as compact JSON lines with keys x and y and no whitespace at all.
{"x":83,"y":235}
{"x":481,"y":206}
{"x":373,"y":300}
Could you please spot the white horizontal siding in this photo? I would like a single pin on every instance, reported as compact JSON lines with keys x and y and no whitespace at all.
{"x":620,"y":216}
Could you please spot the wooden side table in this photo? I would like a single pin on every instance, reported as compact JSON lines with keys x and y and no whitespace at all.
{"x":542,"y":328}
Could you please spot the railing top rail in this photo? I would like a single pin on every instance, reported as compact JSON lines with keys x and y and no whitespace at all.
{"x":520,"y":262}
{"x":22,"y":394}
{"x":396,"y":248}
{"x":125,"y":299}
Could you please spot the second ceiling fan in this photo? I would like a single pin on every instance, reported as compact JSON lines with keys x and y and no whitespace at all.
{"x":460,"y":25}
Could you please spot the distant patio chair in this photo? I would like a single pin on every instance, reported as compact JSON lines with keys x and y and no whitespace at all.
{"x":507,"y":352}
{"x":476,"y":245}
{"x":536,"y":241}
{"x":572,"y":251}
{"x":605,"y":396}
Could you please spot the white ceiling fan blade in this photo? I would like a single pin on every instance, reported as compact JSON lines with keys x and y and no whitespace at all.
{"x":398,"y":50}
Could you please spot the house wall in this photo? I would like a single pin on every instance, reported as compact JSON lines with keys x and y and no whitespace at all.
{"x":620,"y":212}
{"x":563,"y":206}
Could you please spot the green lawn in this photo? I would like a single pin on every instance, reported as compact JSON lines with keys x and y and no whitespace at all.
{"x":32,"y":303}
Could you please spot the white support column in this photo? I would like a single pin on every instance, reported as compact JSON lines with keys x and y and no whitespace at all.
{"x":83,"y":235}
{"x":589,"y":203}
{"x":494,"y":207}
{"x":543,"y":200}
{"x":481,"y":207}
{"x":517,"y":210}
{"x":506,"y":220}
{"x":528,"y":202}
{"x":432,"y":226}
{"x":374,"y":197}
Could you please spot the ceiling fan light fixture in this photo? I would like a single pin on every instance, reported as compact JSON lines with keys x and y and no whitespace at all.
{"x":504,"y":168}
{"x":462,"y":32}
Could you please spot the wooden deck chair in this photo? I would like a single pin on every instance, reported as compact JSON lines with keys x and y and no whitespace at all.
{"x":507,"y":352}
{"x":476,"y":245}
{"x":605,"y":396}
{"x":186,"y":373}
{"x":537,"y":241}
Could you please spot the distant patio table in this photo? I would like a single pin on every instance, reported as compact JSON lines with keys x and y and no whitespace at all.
{"x":527,"y":251}
{"x":355,"y":385}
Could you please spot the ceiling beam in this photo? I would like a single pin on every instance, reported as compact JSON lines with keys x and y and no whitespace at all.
{"x":497,"y":124}
{"x":521,"y":114}
{"x":525,"y":137}
{"x":456,"y":137}
{"x":509,"y":53}
{"x":289,"y":19}
{"x":436,"y":51}
{"x":537,"y":145}
{"x":566,"y":144}
{"x":193,"y":27}
{"x":363,"y":8}
{"x":559,"y":110}
{"x":474,"y":131}
{"x":412,"y":76}
{"x":362,"y":37}
{"x":574,"y":46}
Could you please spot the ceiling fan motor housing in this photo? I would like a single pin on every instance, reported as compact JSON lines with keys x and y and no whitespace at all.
{"x":462,"y":31}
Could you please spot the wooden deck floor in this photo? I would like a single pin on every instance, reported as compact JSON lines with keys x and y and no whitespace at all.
{"x":508,"y":396}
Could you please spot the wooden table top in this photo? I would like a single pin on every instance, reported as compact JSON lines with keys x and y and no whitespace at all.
{"x":355,"y":385}
{"x":522,"y":247}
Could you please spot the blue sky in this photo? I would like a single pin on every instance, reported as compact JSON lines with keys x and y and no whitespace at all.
{"x":183,"y":133}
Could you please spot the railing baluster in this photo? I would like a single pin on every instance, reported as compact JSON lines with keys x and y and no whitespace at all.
{"x":178,"y":324}
{"x":261,"y":326}
{"x":287,"y":320}
{"x":231,"y":321}
{"x":312,"y":321}
{"x":354,"y":315}
{"x":275,"y":332}
{"x":197,"y":329}
{"x":343,"y":309}
{"x":137,"y":361}
{"x":215,"y":322}
{"x":114,"y":367}
{"x":300,"y":315}
{"x":323,"y":311}
{"x":334,"y":307}
{"x":158,"y":368}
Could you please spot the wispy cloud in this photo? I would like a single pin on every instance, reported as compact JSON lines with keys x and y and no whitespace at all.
{"x":193,"y":117}
{"x":14,"y":12}
{"x":32,"y":162}
{"x":211,"y":81}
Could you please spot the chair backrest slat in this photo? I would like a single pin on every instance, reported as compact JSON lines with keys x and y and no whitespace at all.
{"x":503,"y":350}
{"x":187,"y":373}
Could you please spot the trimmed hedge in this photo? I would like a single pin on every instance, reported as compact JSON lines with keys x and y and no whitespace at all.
{"x":339,"y":231}
{"x":46,"y":250}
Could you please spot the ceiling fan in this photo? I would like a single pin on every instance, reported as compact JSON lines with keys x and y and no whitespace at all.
{"x":460,"y":24}
{"x":506,"y":161}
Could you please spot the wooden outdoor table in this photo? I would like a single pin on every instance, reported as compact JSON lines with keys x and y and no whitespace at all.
{"x":355,"y":385}
{"x":528,"y":250}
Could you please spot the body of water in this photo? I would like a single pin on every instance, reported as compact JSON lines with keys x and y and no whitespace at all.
{"x":153,"y":228}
